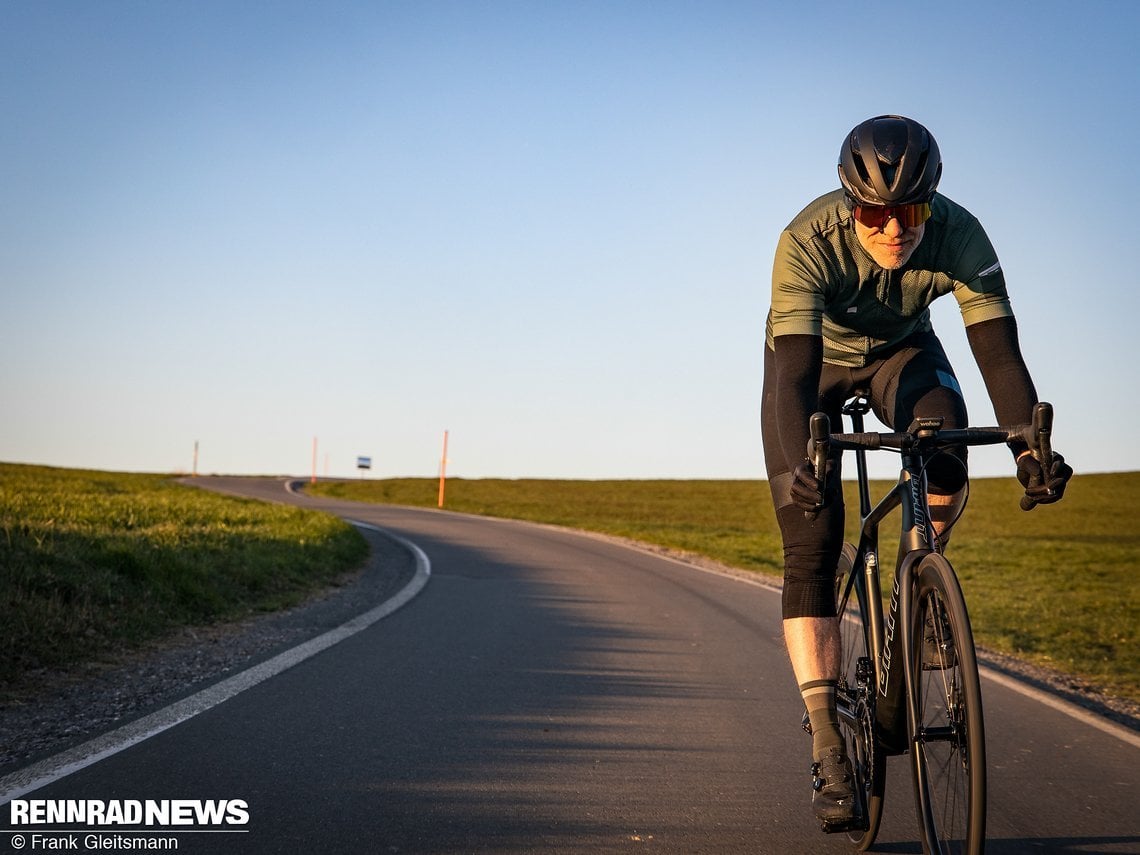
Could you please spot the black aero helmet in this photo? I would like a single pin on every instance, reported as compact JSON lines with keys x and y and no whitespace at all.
{"x":890,"y":160}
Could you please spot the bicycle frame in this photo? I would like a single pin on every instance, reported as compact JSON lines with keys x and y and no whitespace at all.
{"x":890,"y":646}
{"x":889,"y":714}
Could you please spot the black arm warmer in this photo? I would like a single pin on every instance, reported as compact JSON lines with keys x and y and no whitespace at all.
{"x":799,"y":361}
{"x":1007,"y":379}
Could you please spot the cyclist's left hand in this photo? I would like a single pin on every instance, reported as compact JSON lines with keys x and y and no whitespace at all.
{"x":1041,"y":487}
{"x":807,"y":493}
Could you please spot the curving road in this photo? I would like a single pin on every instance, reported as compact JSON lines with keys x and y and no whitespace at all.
{"x":548,"y":691}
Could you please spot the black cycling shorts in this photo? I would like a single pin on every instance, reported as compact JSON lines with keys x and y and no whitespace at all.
{"x":914,"y":379}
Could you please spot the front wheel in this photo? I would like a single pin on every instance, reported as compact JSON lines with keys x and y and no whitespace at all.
{"x":948,"y":744}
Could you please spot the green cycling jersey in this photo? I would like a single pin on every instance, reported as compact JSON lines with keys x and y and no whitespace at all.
{"x":825,"y":283}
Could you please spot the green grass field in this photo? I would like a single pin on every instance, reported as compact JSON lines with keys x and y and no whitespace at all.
{"x":93,"y":561}
{"x":1057,"y":585}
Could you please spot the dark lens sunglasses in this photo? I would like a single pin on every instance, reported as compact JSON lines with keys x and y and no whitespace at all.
{"x":876,"y":216}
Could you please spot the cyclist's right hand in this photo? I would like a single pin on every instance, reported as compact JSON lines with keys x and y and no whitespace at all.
{"x":806,"y":493}
{"x":1042,"y":488}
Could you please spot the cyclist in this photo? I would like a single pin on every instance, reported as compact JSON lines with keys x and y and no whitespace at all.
{"x":853,"y":277}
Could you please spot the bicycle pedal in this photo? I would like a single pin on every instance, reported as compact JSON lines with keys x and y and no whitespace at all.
{"x":942,"y":665}
{"x":856,"y":823}
{"x":939,"y":658}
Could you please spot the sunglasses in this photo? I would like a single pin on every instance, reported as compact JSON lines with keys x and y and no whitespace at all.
{"x":877,"y":217}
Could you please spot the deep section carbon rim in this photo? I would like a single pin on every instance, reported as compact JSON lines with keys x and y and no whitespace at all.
{"x":949,"y":755}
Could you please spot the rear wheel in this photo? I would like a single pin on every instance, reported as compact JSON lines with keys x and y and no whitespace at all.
{"x":948,"y":744}
{"x":856,"y":702}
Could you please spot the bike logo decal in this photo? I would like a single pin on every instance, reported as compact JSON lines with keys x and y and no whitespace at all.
{"x":888,"y":641}
{"x":919,"y":513}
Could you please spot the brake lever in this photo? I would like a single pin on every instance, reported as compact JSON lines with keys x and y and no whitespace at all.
{"x":818,"y":448}
{"x":1041,"y":445}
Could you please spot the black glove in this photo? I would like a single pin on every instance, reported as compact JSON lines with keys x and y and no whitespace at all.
{"x":1042,"y":488}
{"x":806,"y":494}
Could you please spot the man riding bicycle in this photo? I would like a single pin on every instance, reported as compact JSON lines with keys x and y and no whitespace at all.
{"x":853,"y":278}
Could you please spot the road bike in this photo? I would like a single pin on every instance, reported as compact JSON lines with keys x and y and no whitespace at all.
{"x":909,"y":679}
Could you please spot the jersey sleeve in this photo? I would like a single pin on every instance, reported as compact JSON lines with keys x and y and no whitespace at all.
{"x":979,"y":281}
{"x":797,"y":290}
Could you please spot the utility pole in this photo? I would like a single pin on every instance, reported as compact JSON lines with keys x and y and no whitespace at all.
{"x":443,"y":469}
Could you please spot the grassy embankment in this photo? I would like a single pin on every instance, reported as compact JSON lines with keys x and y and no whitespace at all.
{"x":92,"y":562}
{"x":1057,"y":586}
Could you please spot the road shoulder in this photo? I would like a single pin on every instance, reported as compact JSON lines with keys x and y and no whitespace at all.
{"x":65,"y":707}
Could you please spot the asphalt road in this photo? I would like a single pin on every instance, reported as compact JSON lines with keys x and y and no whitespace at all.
{"x":547,"y":691}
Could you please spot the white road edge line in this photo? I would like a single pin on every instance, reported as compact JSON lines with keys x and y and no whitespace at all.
{"x":58,"y":766}
{"x":1070,"y":709}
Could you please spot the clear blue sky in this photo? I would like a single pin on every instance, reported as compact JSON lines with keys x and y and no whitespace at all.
{"x":546,"y":227}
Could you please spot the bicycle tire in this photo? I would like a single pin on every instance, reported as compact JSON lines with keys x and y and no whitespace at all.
{"x":855,"y":700}
{"x":948,"y":746}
